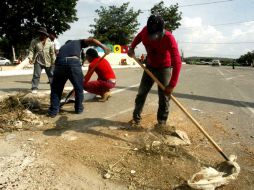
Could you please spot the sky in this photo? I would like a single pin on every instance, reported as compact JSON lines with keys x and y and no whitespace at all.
{"x":214,"y":28}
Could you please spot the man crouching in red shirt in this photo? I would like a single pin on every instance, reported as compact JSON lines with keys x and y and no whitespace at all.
{"x":106,"y":76}
{"x":162,"y":56}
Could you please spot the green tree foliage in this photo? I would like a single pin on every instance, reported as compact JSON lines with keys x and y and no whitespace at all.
{"x":19,"y":20}
{"x":115,"y":25}
{"x":170,"y":15}
{"x":246,"y":59}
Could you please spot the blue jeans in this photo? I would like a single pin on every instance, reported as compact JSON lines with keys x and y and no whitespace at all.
{"x":163,"y":75}
{"x":66,"y":69}
{"x":37,"y":75}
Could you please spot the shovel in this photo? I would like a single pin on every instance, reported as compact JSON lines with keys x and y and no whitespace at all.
{"x":72,"y":92}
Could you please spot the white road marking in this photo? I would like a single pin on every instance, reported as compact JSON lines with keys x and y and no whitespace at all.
{"x":230,"y":78}
{"x":121,"y":90}
{"x":244,"y":104}
{"x":242,"y":95}
{"x":220,"y":72}
{"x":119,"y":113}
{"x":126,"y":110}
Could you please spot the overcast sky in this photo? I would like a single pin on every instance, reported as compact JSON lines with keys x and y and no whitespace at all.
{"x":218,"y":28}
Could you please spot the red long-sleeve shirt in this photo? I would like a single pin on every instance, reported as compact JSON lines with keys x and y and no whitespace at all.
{"x":161,"y":53}
{"x":103,"y":70}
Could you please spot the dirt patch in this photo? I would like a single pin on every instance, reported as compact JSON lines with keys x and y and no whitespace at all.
{"x":102,"y":154}
{"x":21,"y":112}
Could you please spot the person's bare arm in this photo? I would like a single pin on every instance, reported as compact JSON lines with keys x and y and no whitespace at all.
{"x":92,"y":41}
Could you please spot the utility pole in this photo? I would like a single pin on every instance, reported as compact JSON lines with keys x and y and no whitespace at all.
{"x":13,"y":53}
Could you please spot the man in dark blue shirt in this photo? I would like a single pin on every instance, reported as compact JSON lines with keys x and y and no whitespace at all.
{"x":68,"y":66}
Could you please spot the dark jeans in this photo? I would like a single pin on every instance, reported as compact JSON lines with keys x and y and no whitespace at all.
{"x":37,"y":75}
{"x":163,"y":75}
{"x":66,"y":69}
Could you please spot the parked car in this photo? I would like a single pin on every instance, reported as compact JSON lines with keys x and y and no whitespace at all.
{"x":216,"y":62}
{"x":4,"y":61}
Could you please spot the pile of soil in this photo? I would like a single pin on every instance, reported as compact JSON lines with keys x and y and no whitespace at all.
{"x":20,"y":112}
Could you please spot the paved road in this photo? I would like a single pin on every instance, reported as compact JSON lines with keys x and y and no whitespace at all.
{"x":220,"y":92}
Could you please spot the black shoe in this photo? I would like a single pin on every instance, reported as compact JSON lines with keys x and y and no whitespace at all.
{"x":163,"y":128}
{"x":134,"y":125}
{"x":78,"y":112}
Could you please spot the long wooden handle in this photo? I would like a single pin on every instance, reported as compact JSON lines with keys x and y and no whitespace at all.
{"x":184,"y":110}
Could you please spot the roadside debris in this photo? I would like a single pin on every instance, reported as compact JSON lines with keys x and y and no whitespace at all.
{"x":195,"y":109}
{"x":107,"y":175}
{"x":16,"y":114}
{"x":209,"y":178}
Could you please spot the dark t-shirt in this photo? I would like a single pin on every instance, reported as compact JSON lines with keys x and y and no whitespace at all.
{"x":71,"y":48}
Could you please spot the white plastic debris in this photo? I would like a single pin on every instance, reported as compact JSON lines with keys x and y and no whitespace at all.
{"x":156,"y":143}
{"x":209,"y":178}
{"x":133,"y":171}
{"x":195,"y":109}
{"x":231,"y":113}
{"x":107,"y":175}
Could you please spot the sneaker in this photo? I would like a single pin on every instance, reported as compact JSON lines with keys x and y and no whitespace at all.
{"x":34,"y":91}
{"x":105,"y":97}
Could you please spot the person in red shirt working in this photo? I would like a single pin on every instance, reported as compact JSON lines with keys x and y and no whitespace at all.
{"x":162,"y":56}
{"x":106,"y":76}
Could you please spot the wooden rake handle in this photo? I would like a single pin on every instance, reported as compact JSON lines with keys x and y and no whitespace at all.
{"x":184,"y":110}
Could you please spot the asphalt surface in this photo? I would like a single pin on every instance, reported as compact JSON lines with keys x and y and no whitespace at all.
{"x":220,"y":92}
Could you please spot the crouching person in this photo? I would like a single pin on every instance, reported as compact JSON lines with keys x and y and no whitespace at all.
{"x":106,"y":76}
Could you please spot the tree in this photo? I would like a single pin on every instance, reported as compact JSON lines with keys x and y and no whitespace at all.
{"x":20,"y":20}
{"x":115,"y":25}
{"x":246,"y":59}
{"x":170,"y":15}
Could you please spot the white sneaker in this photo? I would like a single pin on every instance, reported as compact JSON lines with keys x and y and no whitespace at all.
{"x":34,"y":91}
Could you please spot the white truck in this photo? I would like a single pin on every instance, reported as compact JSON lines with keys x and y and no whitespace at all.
{"x":216,"y":62}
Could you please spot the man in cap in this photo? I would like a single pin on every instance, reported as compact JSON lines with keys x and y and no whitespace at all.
{"x":162,"y":55}
{"x":42,"y":54}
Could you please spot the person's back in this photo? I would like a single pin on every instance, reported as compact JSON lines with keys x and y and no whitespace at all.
{"x":71,"y":48}
{"x":103,"y":70}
